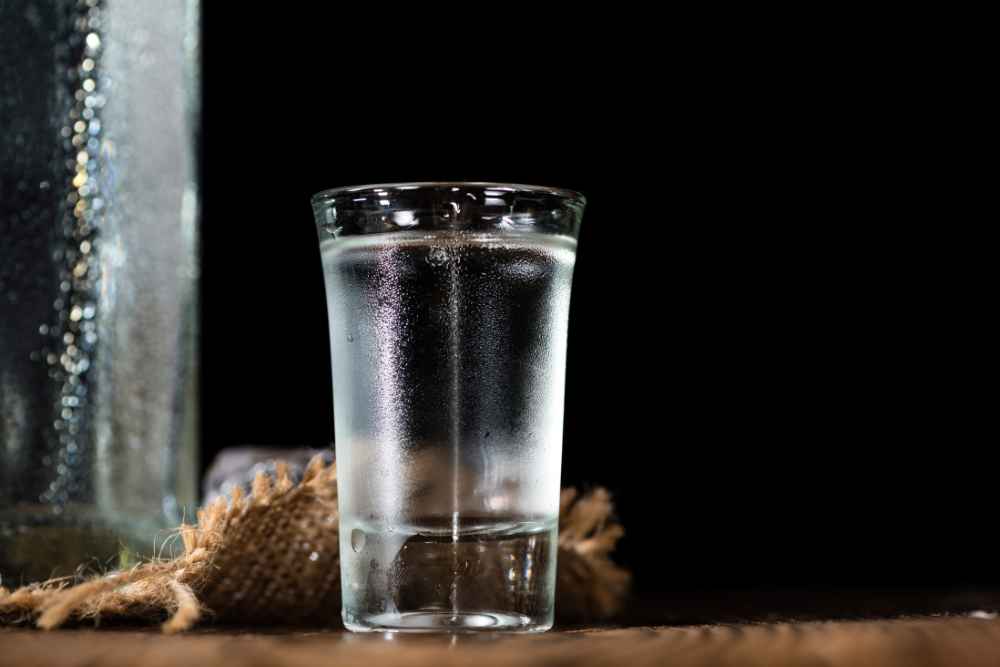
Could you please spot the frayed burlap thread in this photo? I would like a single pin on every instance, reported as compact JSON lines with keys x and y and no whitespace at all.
{"x":272,"y":558}
{"x":589,"y":585}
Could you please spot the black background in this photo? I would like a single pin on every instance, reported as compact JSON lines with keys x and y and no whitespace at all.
{"x":770,"y":363}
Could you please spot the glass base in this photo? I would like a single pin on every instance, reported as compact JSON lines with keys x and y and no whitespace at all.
{"x":36,"y":544}
{"x":476,"y":576}
{"x":441,"y":620}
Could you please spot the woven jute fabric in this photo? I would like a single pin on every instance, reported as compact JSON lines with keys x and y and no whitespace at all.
{"x":272,"y":557}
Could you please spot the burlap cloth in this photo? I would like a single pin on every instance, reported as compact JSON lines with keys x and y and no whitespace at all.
{"x":272,"y":557}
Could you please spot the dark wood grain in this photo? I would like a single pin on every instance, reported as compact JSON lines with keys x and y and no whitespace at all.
{"x":914,"y":642}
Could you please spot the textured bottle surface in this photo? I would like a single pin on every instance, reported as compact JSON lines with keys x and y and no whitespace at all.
{"x":97,"y":280}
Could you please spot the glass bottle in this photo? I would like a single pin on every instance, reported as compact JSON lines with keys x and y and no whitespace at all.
{"x":98,"y":276}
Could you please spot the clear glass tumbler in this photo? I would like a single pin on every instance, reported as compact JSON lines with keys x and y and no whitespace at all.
{"x":448,"y":306}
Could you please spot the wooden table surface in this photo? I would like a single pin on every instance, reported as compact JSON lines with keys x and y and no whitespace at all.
{"x":952,"y":641}
{"x":955,"y":631}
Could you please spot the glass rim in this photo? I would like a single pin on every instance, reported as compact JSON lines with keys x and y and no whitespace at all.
{"x":560,"y":194}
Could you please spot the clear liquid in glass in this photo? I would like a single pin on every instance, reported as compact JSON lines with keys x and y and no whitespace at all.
{"x":448,"y":367}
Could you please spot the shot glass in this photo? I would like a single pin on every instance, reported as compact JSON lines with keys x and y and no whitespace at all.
{"x":448,"y":307}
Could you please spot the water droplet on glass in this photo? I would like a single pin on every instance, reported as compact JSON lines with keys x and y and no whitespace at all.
{"x":350,"y":338}
{"x":357,"y":540}
{"x":437,"y":256}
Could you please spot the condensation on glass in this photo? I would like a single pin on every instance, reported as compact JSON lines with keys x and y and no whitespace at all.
{"x":448,"y":306}
{"x":98,"y":274}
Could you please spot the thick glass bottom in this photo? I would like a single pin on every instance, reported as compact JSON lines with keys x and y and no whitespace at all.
{"x":471,"y":574}
{"x":36,"y":544}
{"x":443,"y":620}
